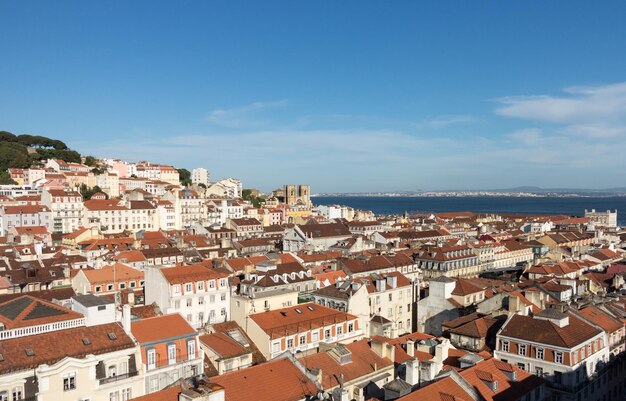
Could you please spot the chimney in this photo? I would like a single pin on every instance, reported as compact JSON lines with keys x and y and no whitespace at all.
{"x":441,"y":351}
{"x":412,"y":372}
{"x":410,"y":347}
{"x":126,"y":318}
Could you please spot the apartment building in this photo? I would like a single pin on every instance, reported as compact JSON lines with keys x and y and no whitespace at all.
{"x":383,"y":303}
{"x":555,"y":344}
{"x":300,"y":328}
{"x":66,"y":207}
{"x":170,"y":350}
{"x":200,"y":294}
{"x":113,"y":216}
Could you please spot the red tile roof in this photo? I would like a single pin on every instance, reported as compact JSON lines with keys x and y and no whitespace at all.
{"x":161,"y":328}
{"x":50,"y":348}
{"x":277,"y":380}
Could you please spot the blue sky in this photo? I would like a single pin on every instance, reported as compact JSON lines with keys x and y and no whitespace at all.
{"x":347,"y":96}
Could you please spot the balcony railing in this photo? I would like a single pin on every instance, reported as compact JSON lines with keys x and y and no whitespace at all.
{"x":164,"y":362}
{"x":112,"y":379}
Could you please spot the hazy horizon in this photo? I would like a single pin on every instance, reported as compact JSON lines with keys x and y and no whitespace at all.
{"x":347,"y":97}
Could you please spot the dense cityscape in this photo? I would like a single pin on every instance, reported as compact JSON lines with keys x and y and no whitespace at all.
{"x":283,"y":200}
{"x":136,"y":280}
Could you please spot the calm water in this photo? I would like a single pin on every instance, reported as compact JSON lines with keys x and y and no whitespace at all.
{"x":480,"y":204}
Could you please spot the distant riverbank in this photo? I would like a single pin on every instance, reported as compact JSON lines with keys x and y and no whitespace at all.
{"x":571,"y":206}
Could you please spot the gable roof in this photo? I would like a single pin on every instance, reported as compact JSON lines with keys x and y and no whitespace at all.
{"x":50,"y":348}
{"x":546,"y":332}
{"x":277,"y":380}
{"x":364,"y":362}
{"x":160,"y":328}
{"x":27,"y":311}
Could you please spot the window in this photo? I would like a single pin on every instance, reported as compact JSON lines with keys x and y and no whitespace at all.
{"x":522,"y":366}
{"x":558,"y":357}
{"x":522,"y":349}
{"x":222,"y":283}
{"x":276,"y":347}
{"x":223,"y":312}
{"x":339,"y":330}
{"x":132,"y":284}
{"x":539,"y":371}
{"x":539,"y":353}
{"x":327,"y":334}
{"x":98,"y":288}
{"x":188,"y":288}
{"x":505,"y":346}
{"x":154,"y":383}
{"x":109,"y":287}
{"x":176,"y":289}
{"x":212,"y":284}
{"x":315,"y":336}
{"x":127,"y":394}
{"x":151,"y":358}
{"x":290,"y":343}
{"x":17,"y":393}
{"x":189,"y":302}
{"x":350,"y":327}
{"x":390,"y":312}
{"x":191,"y":349}
{"x":302,"y":340}
{"x":390,"y":297}
{"x":4,"y":396}
{"x":114,"y":396}
{"x":69,"y":381}
{"x":112,"y":371}
{"x":200,"y":285}
{"x":171,"y":353}
{"x":223,"y":297}
{"x":201,"y":301}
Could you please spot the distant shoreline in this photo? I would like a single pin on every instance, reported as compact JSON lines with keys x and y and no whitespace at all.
{"x":470,"y":195}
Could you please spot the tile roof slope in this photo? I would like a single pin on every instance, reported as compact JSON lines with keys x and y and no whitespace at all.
{"x":600,"y":318}
{"x":446,"y":389}
{"x":364,"y":361}
{"x":308,"y":314}
{"x":160,"y":328}
{"x":277,"y":380}
{"x":168,"y":394}
{"x":546,"y":332}
{"x":191,"y":273}
{"x":229,"y":326}
{"x":494,"y":370}
{"x":28,"y":311}
{"x":464,"y":287}
{"x":119,"y":270}
{"x":50,"y":348}
{"x":223,"y":345}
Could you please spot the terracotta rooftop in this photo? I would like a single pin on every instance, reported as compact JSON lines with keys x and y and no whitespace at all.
{"x":303,"y":315}
{"x":364,"y":362}
{"x":119,"y":271}
{"x":546,"y":332}
{"x":161,"y":328}
{"x":277,"y":380}
{"x":49,"y":348}
{"x":27,"y":311}
{"x":191,"y":273}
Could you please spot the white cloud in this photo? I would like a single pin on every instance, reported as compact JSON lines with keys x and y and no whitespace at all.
{"x":244,"y":116}
{"x":446,"y":120}
{"x":578,"y":105}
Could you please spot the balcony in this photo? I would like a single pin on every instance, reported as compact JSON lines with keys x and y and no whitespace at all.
{"x":116,"y":378}
{"x":165,"y":362}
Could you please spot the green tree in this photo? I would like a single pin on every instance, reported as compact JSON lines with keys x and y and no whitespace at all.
{"x":184,"y":176}
{"x":90,"y":161}
{"x":5,"y":178}
{"x":6,"y":136}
